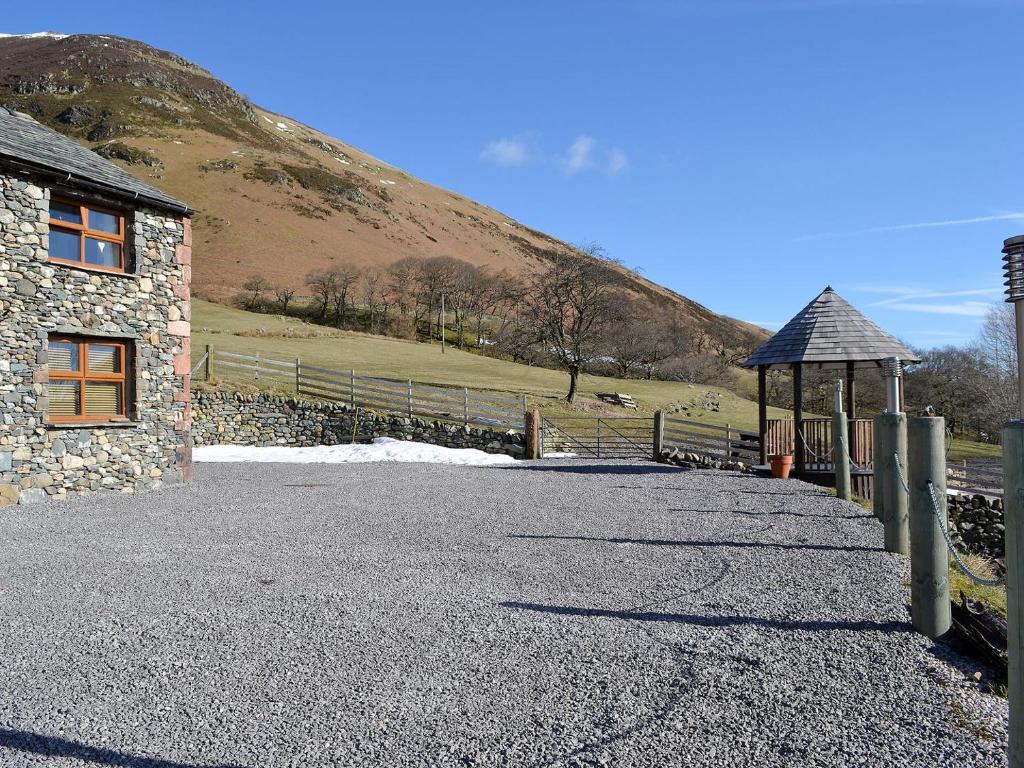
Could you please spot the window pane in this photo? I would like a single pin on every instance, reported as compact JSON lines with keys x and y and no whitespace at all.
{"x":104,"y":222}
{"x":64,"y":399}
{"x":63,"y":356}
{"x":64,"y":245}
{"x":101,"y":253}
{"x":65,"y":212}
{"x":104,"y":358}
{"x":102,"y":398}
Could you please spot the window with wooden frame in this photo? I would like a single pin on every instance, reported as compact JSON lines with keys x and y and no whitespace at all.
{"x":88,"y":235}
{"x":88,"y":379}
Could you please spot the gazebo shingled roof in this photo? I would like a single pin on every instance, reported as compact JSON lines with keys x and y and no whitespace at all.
{"x":829,"y":333}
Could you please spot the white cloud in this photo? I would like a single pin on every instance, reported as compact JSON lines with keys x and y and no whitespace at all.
{"x":578,"y":158}
{"x":962,"y":308}
{"x":1011,"y":216}
{"x":508,"y":152}
{"x":967,"y":302}
{"x":618,"y":161}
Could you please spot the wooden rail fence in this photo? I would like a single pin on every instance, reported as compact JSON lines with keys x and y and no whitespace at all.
{"x":720,"y":441}
{"x":407,"y":398}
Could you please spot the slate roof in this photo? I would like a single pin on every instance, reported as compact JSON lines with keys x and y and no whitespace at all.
{"x":829,"y":332}
{"x":24,"y":142}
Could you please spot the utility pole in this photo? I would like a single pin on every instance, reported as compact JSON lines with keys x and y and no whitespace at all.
{"x":442,"y":324}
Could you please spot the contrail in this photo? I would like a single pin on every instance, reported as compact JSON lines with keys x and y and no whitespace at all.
{"x":1017,"y":216}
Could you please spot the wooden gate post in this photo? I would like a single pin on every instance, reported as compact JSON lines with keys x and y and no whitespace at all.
{"x":209,"y":361}
{"x":929,"y":558}
{"x":532,"y":423}
{"x":659,"y":433}
{"x":1013,"y":509}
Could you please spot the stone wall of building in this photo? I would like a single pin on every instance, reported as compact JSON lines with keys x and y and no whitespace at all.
{"x":224,"y":418}
{"x":149,"y":307}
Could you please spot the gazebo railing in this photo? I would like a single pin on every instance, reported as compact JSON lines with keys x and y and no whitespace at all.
{"x":816,"y":435}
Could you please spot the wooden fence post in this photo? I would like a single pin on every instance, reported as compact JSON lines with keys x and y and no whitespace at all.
{"x":298,"y":375}
{"x":659,"y":434}
{"x":1013,"y":510}
{"x":895,"y":506}
{"x":352,"y":388}
{"x":728,"y":442}
{"x":410,"y":398}
{"x":929,"y":558}
{"x":840,"y":455}
{"x":256,"y":369}
{"x":879,"y":450}
{"x":465,"y":407}
{"x":209,"y":361}
{"x":532,"y":423}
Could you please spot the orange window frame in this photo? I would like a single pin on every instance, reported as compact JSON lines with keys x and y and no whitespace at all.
{"x":84,"y":376}
{"x":83,"y":231}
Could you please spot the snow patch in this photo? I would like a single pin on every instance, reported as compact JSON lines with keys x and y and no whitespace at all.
{"x":51,"y":35}
{"x":381,"y":449}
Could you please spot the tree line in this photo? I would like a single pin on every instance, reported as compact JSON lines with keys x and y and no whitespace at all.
{"x":575,"y":313}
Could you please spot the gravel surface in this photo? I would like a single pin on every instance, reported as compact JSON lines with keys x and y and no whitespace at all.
{"x":551,"y":613}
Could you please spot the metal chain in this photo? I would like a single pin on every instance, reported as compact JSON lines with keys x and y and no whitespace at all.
{"x":846,"y":452}
{"x":800,"y":433}
{"x":956,"y":555}
{"x":945,"y":531}
{"x":899,"y":472}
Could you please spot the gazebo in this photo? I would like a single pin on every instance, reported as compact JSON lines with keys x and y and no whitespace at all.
{"x":827,"y":333}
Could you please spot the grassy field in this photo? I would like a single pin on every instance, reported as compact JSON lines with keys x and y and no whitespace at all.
{"x":286,"y":338}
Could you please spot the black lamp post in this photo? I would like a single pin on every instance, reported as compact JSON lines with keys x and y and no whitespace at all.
{"x":1013,"y":269}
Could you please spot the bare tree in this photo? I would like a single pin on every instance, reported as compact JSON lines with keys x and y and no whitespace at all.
{"x":371,"y":285}
{"x":641,"y":338}
{"x":284,"y":295}
{"x":323,"y":283}
{"x":254,"y":288}
{"x":571,"y":308}
{"x":345,"y":278}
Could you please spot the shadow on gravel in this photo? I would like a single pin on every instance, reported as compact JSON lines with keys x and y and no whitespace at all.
{"x":594,"y":469}
{"x":794,"y":514}
{"x":52,"y":746}
{"x":715,"y":621}
{"x":687,"y":543}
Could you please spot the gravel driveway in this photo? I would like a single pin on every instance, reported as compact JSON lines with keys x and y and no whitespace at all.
{"x":551,"y":613}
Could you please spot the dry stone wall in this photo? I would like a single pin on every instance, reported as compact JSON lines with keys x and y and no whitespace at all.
{"x":224,"y":418}
{"x":976,"y":522}
{"x":148,"y":307}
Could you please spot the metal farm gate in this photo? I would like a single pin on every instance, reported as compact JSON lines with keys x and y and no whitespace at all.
{"x":598,"y":437}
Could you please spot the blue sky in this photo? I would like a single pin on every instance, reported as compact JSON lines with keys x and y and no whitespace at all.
{"x":742,"y":152}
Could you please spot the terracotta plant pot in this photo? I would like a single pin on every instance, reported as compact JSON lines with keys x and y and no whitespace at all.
{"x":781,"y":465}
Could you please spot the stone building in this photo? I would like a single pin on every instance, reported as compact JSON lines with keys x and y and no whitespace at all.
{"x":94,"y":322}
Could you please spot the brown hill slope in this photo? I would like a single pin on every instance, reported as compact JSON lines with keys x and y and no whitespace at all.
{"x":276,"y":197}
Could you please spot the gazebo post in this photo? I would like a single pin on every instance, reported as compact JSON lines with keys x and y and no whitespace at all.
{"x":762,"y":410}
{"x":798,"y":417}
{"x":851,"y":408}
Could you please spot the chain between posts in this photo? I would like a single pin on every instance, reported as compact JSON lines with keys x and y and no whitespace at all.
{"x":945,"y":531}
{"x":800,"y":434}
{"x":846,"y":452}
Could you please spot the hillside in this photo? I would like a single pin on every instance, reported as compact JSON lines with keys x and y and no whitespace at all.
{"x":275,"y":197}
